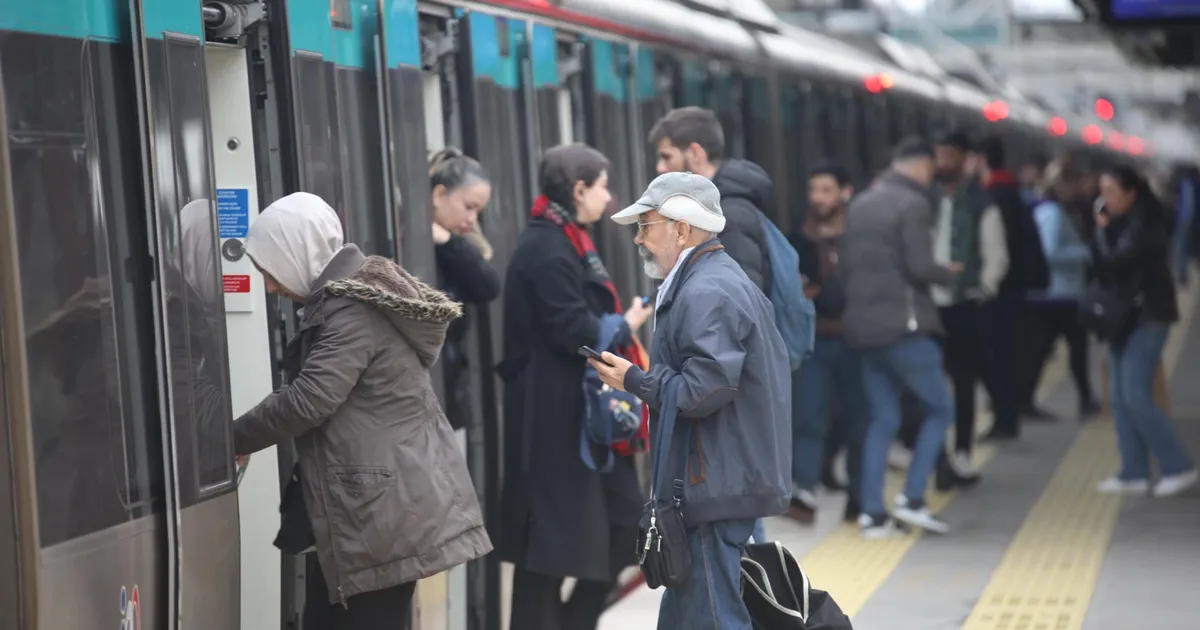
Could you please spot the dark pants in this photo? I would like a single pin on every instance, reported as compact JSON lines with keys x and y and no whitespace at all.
{"x":998,"y":330}
{"x":964,"y":355}
{"x":387,"y":609}
{"x":537,"y":602}
{"x":1053,"y":320}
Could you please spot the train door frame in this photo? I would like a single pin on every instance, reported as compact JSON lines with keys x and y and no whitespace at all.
{"x":18,"y":534}
{"x":196,"y":558}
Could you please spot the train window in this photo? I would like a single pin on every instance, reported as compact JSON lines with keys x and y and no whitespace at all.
{"x":340,"y":16}
{"x":69,"y":300}
{"x":195,"y":312}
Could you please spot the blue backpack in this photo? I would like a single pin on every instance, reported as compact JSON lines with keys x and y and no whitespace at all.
{"x":795,"y":316}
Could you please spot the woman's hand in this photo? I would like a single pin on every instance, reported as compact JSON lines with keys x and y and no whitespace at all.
{"x":440,"y":234}
{"x":637,"y":313}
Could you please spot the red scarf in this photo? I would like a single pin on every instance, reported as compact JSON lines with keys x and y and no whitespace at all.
{"x":998,"y":177}
{"x":545,"y":209}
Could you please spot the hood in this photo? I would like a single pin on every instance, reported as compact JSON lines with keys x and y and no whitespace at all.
{"x":744,"y":179}
{"x":418,"y":311}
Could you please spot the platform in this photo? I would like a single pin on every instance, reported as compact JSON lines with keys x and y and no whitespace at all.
{"x":1033,"y":547}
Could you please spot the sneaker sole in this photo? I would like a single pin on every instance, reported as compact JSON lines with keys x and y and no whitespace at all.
{"x":936,"y":528}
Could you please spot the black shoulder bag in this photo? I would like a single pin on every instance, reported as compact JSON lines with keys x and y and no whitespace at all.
{"x":662,"y":550}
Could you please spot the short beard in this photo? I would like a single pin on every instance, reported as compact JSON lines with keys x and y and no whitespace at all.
{"x":649,"y":265}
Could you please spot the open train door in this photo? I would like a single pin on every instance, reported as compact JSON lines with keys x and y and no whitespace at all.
{"x":193,"y":377}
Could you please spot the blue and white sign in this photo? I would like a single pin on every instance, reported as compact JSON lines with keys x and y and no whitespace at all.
{"x":233,"y":212}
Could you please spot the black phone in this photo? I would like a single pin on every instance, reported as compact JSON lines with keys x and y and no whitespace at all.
{"x":587,"y":352}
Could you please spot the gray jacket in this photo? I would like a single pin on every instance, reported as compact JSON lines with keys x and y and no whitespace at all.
{"x":385,"y":484}
{"x":886,"y":264}
{"x":717,"y":329}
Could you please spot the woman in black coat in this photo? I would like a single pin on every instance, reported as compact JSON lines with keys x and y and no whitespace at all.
{"x":1130,"y":254}
{"x":560,"y":518}
{"x":459,"y":191}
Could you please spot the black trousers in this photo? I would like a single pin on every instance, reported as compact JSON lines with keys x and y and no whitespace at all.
{"x":388,"y":609}
{"x":537,"y":602}
{"x":964,"y":354}
{"x":1053,"y":320}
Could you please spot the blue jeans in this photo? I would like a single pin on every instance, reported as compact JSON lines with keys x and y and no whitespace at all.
{"x":913,"y":363}
{"x":711,"y":599}
{"x":1142,"y":428}
{"x":834,"y":369}
{"x":760,"y":532}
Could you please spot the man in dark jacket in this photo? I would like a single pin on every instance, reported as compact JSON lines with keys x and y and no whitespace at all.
{"x":1027,"y":271}
{"x":691,"y":139}
{"x":887,"y":266}
{"x":716,"y":331}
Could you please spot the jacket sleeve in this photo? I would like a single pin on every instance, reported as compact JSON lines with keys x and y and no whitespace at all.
{"x":474,"y":280}
{"x":1143,"y":238}
{"x":556,"y":289}
{"x":742,"y":226}
{"x":1049,"y":218}
{"x":993,"y":249}
{"x":919,"y":264}
{"x":712,"y":332}
{"x":342,"y":350}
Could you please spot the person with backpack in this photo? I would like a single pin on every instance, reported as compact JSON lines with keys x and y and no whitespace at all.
{"x":834,"y":371}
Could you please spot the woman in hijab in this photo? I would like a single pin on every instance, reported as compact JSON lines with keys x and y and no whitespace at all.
{"x":1130,"y":255}
{"x":385,"y":488}
{"x":459,"y":191}
{"x":562,"y":517}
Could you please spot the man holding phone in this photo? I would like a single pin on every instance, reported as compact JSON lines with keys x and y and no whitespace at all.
{"x":716,"y":330}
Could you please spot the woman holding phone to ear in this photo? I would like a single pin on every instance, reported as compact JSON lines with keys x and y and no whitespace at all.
{"x":1130,"y":254}
{"x":561,"y":518}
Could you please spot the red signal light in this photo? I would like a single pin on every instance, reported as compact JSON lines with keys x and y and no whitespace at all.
{"x":1104,"y":109}
{"x":1058,"y":126}
{"x":1134,"y":144}
{"x":995,"y":111}
{"x":877,"y":83}
{"x":1092,"y":134}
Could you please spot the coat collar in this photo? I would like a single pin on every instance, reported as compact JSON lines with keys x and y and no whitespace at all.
{"x":685,"y":269}
{"x":343,"y":264}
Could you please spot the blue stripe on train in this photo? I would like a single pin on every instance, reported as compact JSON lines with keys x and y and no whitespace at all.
{"x":400,"y":27}
{"x":607,"y":59}
{"x":647,"y":90}
{"x":98,"y":19}
{"x":545,"y":57}
{"x":485,"y":48}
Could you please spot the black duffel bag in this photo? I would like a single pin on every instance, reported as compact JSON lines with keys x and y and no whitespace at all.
{"x":778,"y":594}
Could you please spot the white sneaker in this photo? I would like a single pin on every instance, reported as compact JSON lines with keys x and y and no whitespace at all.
{"x":961,"y":462}
{"x":1116,"y":485}
{"x":1172,"y":485}
{"x":920,"y":517}
{"x":881,"y":528}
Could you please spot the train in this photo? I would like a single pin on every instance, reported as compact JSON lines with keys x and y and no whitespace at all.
{"x":141,"y":138}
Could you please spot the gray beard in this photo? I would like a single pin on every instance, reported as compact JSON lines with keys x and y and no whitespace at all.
{"x":650,"y":268}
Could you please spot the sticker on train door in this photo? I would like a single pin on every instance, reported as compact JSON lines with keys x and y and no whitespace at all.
{"x":131,"y":611}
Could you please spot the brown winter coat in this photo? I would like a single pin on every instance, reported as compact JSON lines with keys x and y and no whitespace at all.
{"x":385,"y":484}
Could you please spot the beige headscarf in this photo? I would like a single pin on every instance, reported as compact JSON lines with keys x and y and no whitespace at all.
{"x":294,"y":239}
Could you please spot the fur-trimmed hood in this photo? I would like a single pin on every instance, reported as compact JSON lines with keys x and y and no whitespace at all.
{"x":418,"y":311}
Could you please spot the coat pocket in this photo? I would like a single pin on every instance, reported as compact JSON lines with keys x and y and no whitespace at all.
{"x":364,"y":513}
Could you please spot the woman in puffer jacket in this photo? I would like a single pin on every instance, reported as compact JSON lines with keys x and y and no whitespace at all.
{"x":383,"y":483}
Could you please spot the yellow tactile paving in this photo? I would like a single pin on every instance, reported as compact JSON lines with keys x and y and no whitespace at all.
{"x":1046,"y":578}
{"x":851,"y":568}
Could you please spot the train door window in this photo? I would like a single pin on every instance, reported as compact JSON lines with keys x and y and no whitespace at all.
{"x":93,"y":434}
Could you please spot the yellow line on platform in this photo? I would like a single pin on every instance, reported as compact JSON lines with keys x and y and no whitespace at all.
{"x":1046,"y":579}
{"x":852,"y":569}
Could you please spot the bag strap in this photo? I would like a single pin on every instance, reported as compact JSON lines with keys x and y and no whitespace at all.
{"x":668,"y":411}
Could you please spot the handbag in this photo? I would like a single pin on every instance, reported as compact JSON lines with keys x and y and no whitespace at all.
{"x":779,"y":596}
{"x":662,"y":551}
{"x":1109,"y":313}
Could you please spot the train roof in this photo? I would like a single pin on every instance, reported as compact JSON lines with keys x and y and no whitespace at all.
{"x":675,"y":22}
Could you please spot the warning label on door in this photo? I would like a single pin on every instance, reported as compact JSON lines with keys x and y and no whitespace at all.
{"x":237,"y":284}
{"x":233,"y":212}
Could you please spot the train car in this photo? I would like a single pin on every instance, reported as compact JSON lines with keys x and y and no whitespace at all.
{"x":141,"y":138}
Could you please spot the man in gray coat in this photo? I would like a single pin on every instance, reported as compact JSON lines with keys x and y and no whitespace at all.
{"x":716,"y":330}
{"x":887,"y":266}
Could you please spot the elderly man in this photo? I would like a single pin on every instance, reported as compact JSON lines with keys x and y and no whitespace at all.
{"x":715,"y":329}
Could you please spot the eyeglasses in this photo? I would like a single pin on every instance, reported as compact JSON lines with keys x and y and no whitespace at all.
{"x":642,"y":226}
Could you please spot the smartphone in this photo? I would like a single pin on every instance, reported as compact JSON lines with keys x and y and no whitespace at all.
{"x":585,"y":351}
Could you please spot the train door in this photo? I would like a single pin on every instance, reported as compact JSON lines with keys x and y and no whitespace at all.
{"x":656,"y":75}
{"x":182,"y":218}
{"x":609,"y":97}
